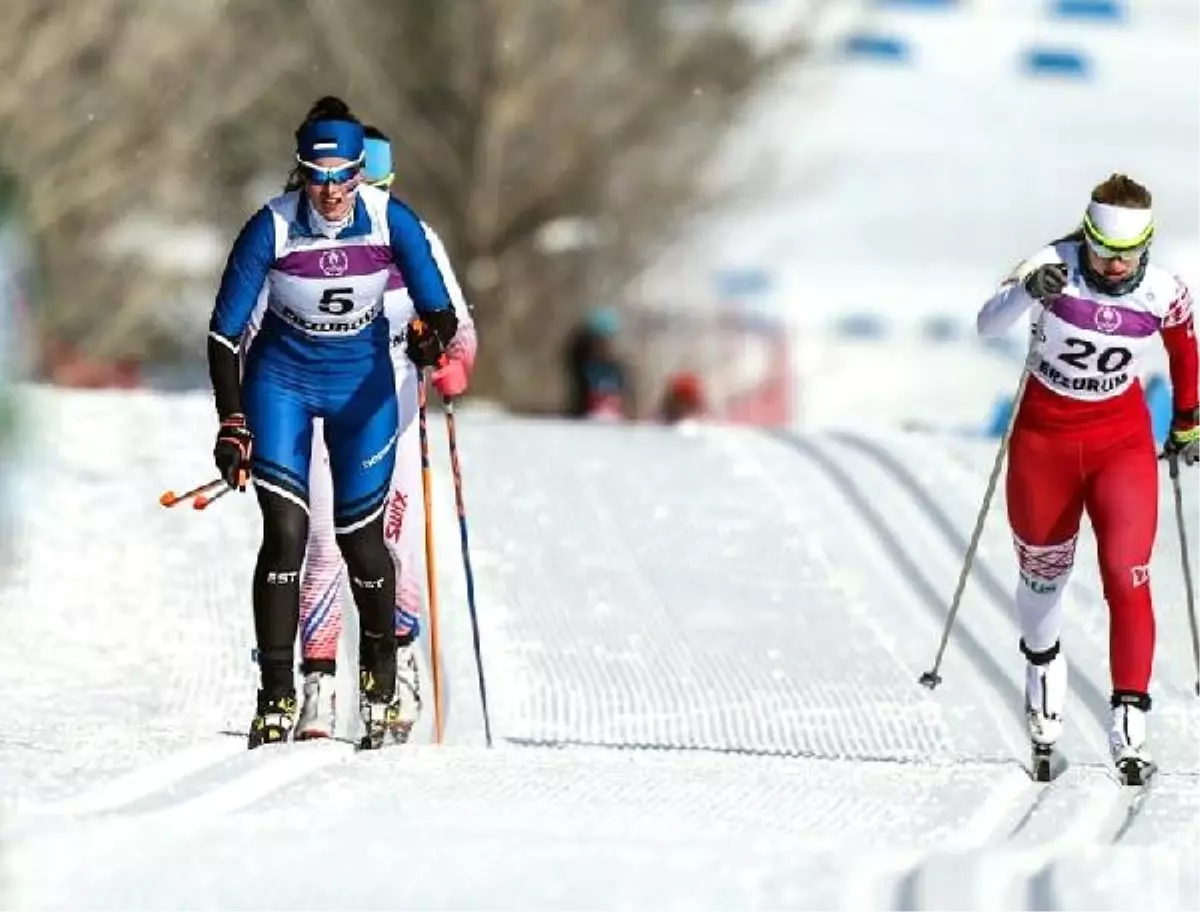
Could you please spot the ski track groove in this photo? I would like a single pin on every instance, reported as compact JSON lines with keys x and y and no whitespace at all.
{"x":1022,"y":806}
{"x":190,"y":777}
{"x":900,"y":723}
{"x":690,"y":692}
{"x":978,"y":653}
{"x":1093,"y":697}
{"x":1128,"y":811}
{"x":984,"y":662}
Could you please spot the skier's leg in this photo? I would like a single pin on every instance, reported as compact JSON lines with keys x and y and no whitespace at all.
{"x":1044,"y":490}
{"x":406,"y":536}
{"x":403,"y":531}
{"x":362,"y":449}
{"x":282,"y":426}
{"x":1122,"y":502}
{"x":320,"y":600}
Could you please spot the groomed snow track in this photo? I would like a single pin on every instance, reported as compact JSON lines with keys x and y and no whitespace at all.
{"x":702,"y":649}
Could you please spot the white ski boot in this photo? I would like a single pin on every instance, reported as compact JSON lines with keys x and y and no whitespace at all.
{"x":1045,"y":699}
{"x":408,"y":693}
{"x":1127,"y":737}
{"x":318,"y":713}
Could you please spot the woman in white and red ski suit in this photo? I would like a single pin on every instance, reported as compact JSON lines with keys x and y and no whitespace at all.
{"x":1082,"y":441}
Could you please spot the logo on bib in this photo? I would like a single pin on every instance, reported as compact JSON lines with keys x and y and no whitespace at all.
{"x":1108,"y":320}
{"x":334,"y":263}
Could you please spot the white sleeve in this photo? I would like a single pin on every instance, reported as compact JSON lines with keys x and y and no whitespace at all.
{"x":449,"y":278}
{"x":255,"y":324}
{"x":466,"y":342}
{"x":1011,"y":300}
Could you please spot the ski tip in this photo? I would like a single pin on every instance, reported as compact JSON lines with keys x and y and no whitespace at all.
{"x":168,"y":499}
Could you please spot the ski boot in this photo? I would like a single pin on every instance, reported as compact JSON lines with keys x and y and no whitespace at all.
{"x":408,"y":692}
{"x":1127,"y":737}
{"x":274,"y":719}
{"x":319,"y":709}
{"x":1045,"y":698}
{"x":377,"y":703}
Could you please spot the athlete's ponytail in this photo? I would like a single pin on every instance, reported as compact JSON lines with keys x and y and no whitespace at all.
{"x":328,"y":107}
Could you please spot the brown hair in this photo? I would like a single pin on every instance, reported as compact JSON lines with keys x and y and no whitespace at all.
{"x":1123,"y":191}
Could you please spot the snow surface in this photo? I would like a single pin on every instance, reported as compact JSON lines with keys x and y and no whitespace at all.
{"x":701,"y":648}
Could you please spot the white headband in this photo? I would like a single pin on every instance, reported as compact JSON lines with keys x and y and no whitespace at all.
{"x":1119,"y":226}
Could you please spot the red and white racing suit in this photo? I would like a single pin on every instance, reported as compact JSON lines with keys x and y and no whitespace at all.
{"x":1082,"y":440}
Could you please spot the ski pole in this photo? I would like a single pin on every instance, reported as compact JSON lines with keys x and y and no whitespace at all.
{"x":1190,"y":593}
{"x":456,"y":469}
{"x":430,"y":568}
{"x":202,"y":501}
{"x":170,"y":498}
{"x":932,"y":678}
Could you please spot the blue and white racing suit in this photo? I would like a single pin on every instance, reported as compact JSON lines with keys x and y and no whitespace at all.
{"x":323,"y":348}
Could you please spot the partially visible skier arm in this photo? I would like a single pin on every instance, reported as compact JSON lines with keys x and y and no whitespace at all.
{"x":1011,"y":300}
{"x":245,"y":272}
{"x":1179,"y":338}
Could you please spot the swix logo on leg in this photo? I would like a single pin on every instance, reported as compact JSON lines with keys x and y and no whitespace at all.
{"x":395,"y":516}
{"x":1141,"y":575}
{"x":282,"y":577}
{"x":367,"y":584}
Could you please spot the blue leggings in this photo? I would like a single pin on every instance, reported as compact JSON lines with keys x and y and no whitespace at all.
{"x":361,"y":423}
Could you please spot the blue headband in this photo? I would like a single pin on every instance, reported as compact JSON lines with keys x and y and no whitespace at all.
{"x":330,"y":139}
{"x":379,"y":160}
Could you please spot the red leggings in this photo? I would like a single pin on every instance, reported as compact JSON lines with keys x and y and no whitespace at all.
{"x":1052,"y":479}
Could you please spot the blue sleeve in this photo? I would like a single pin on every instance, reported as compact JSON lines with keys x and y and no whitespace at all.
{"x":245,"y":271}
{"x":414,"y":256}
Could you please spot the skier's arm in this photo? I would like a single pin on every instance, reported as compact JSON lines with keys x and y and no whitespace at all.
{"x":245,"y":271}
{"x":1012,"y":299}
{"x":412,"y":252}
{"x":1179,"y":339}
{"x":466,"y":342}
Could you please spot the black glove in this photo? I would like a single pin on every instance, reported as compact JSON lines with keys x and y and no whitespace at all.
{"x":429,"y":336}
{"x":1183,"y":443}
{"x":1048,"y":279}
{"x":235,"y":442}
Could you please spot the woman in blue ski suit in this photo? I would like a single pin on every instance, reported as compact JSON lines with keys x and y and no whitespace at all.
{"x":324,"y":251}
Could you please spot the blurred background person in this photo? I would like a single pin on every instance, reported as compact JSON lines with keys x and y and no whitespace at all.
{"x":598,"y":379}
{"x":683,"y":398}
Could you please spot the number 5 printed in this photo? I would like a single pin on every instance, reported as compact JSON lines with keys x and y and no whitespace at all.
{"x":336,"y":301}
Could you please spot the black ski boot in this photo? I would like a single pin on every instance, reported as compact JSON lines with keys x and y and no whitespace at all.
{"x":274,"y":719}
{"x":377,"y":703}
